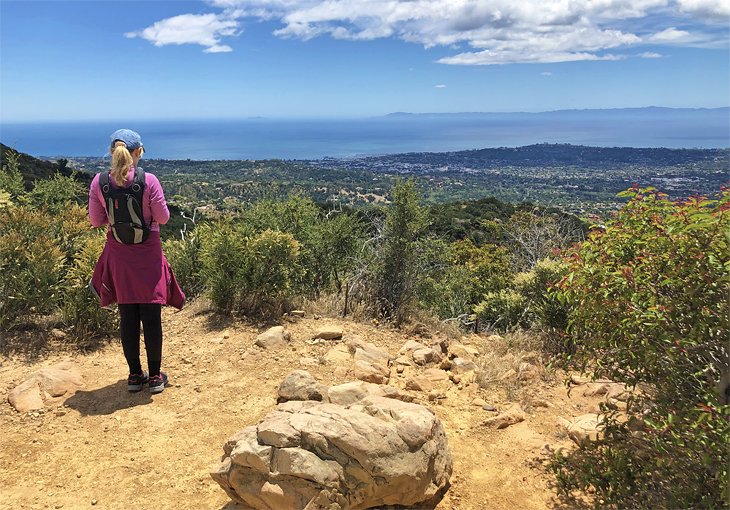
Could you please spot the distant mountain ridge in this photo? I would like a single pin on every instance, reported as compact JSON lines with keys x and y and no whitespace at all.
{"x":562,"y":155}
{"x":33,"y":169}
{"x":583,"y":111}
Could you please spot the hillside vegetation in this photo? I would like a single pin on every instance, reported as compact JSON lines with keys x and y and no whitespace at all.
{"x":640,"y":300}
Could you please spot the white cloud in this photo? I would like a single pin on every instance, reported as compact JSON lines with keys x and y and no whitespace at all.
{"x":670,"y":35}
{"x":650,"y":54}
{"x":440,"y":86}
{"x":484,"y":32}
{"x":203,"y":29}
{"x":546,"y":73}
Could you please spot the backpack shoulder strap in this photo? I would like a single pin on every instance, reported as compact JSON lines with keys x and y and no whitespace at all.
{"x":104,"y":184}
{"x":139,"y":178}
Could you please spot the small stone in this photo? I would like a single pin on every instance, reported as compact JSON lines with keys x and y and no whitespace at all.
{"x":297,"y":313}
{"x":93,"y":502}
{"x":329,"y":332}
{"x":479,"y":402}
{"x":58,"y":334}
{"x":488,"y":407}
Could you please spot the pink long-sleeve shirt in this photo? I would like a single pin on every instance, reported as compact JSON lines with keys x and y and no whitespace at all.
{"x":154,"y":206}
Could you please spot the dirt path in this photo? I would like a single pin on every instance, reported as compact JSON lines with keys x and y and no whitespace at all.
{"x":106,"y":448}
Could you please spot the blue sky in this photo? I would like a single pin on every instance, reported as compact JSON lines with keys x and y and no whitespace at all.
{"x":93,"y":60}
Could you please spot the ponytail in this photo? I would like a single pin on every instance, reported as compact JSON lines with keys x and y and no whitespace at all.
{"x":121,"y":163}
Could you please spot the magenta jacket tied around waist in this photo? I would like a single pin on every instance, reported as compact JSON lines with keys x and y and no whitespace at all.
{"x":134,"y":273}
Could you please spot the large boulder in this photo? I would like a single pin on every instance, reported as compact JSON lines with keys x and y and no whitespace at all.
{"x":47,"y":386}
{"x":371,"y":452}
{"x":273,"y":338}
{"x":371,"y":363}
{"x":300,"y":385}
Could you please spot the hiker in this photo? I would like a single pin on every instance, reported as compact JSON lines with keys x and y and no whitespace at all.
{"x":132,"y":271}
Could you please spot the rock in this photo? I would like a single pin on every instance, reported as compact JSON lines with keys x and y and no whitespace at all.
{"x":329,"y":332}
{"x":479,"y":402}
{"x":371,"y":364}
{"x":353,"y":342}
{"x":509,"y":374}
{"x":58,"y":333}
{"x":273,"y":338}
{"x":371,"y":373}
{"x":338,"y":355}
{"x":307,"y":361}
{"x":462,"y":366}
{"x":541,"y":402}
{"x":419,"y":383}
{"x":351,"y":392}
{"x":528,"y":372}
{"x":410,"y":346}
{"x":425,"y":355}
{"x":579,"y":379}
{"x":595,"y":389}
{"x":297,"y":313}
{"x":513,"y":415}
{"x":463,"y":351}
{"x":403,"y":361}
{"x":300,"y":385}
{"x":371,"y":452}
{"x":47,"y":386}
{"x":584,"y":428}
{"x":341,"y":372}
{"x":436,"y":375}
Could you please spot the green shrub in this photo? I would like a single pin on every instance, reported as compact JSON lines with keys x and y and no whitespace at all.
{"x":81,"y":309}
{"x":394,"y":262}
{"x":251,"y":273}
{"x":222,"y":258}
{"x":31,"y":266}
{"x":184,"y":258}
{"x":504,"y":310}
{"x":454,"y":277}
{"x":57,"y":193}
{"x":11,"y":180}
{"x":268,"y":274}
{"x":649,"y":308}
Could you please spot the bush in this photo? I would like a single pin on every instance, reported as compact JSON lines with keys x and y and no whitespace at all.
{"x":394,"y":264}
{"x":81,"y":308}
{"x":504,"y":310}
{"x":31,"y":266}
{"x":184,"y":258}
{"x":247,"y":272}
{"x":649,"y":308}
{"x":455,"y":277}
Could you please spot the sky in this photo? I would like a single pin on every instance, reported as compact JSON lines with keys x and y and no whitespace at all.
{"x":224,"y":59}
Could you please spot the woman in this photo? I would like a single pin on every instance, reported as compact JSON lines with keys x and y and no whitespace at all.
{"x":136,"y":276}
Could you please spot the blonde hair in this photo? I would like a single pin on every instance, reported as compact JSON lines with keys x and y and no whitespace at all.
{"x":121,"y":162}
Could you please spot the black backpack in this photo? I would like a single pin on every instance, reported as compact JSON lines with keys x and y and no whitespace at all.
{"x":124,"y":209}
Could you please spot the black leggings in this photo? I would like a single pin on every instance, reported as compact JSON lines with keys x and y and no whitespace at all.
{"x":151,"y":318}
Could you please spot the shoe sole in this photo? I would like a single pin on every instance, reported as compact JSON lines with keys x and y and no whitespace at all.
{"x":134,"y":388}
{"x":157,"y":389}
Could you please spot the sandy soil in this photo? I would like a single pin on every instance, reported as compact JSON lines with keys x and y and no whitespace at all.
{"x":107,"y":448}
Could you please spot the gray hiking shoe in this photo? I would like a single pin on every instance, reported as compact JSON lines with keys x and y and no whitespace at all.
{"x":158,"y":383}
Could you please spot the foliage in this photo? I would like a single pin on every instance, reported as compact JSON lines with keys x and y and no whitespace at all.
{"x":503,"y":310}
{"x":11,"y":180}
{"x":31,"y":265}
{"x":184,"y":258}
{"x":57,"y":193}
{"x":649,"y":308}
{"x":394,"y":261}
{"x":80,"y":307}
{"x":455,"y":277}
{"x":246,"y":271}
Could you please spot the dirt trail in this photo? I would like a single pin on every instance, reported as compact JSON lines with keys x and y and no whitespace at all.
{"x":106,"y":448}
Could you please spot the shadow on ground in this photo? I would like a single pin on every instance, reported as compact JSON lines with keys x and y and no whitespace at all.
{"x":107,"y":400}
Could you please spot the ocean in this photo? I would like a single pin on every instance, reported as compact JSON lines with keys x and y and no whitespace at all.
{"x":396,"y":133}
